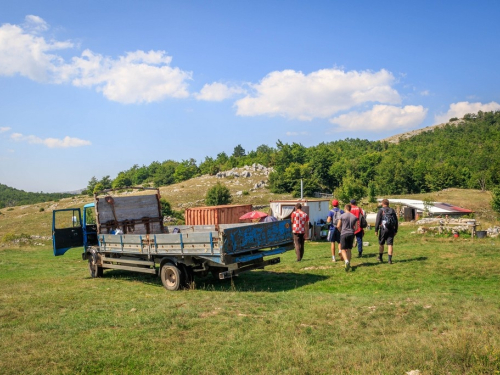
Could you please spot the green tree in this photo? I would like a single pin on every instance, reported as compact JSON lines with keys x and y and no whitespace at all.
{"x":99,"y":187}
{"x":209,"y":166}
{"x":351,"y":188}
{"x":238,"y":151}
{"x":166,"y":210}
{"x":217,"y":195}
{"x":495,"y":199}
{"x":106,"y":182}
{"x":91,"y":185}
{"x":164,"y":175}
{"x":121,"y":181}
{"x":185,"y":170}
{"x":372,"y":192}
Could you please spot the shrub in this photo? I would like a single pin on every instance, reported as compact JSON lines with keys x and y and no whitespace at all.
{"x":21,"y":239}
{"x":10,"y":209}
{"x":245,"y":192}
{"x":495,"y":199}
{"x":166,"y":210}
{"x":217,"y":195}
{"x":41,"y":209}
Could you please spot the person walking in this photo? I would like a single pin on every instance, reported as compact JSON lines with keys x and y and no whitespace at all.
{"x":359,"y":233}
{"x":347,"y":226}
{"x":300,"y":223}
{"x":386,"y":228}
{"x":333,"y":232}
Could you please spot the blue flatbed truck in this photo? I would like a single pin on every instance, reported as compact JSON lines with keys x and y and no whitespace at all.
{"x":126,"y":232}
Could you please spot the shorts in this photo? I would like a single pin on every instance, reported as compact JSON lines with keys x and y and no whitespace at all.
{"x":346,"y":241}
{"x":333,"y":235}
{"x":386,"y":238}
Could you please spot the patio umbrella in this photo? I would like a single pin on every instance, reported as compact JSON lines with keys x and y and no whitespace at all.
{"x":253,"y":215}
{"x":268,"y":219}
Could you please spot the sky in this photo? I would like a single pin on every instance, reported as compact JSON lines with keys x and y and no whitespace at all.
{"x":90,"y":88}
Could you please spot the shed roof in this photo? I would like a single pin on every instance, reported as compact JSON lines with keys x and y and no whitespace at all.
{"x":437,"y":208}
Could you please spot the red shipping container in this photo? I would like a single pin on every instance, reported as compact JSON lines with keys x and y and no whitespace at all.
{"x":215,"y":215}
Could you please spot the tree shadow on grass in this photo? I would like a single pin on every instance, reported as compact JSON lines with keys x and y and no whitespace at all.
{"x":366,"y":264}
{"x":254,"y":281}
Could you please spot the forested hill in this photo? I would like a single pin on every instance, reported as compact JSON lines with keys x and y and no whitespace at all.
{"x":14,"y":197}
{"x":463,"y":155}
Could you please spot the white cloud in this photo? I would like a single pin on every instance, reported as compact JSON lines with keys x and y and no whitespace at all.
{"x":4,"y":129}
{"x":319,"y":94}
{"x":51,"y":142}
{"x":216,"y":92}
{"x":296,"y":134}
{"x":382,"y":117}
{"x":425,"y":93}
{"x":462,"y":108}
{"x":29,"y":55}
{"x":133,"y":78}
{"x":35,"y":24}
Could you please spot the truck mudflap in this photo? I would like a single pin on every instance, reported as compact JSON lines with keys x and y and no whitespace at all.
{"x":235,"y":272}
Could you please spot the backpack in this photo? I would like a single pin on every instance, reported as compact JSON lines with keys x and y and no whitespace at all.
{"x":362,"y":221}
{"x":388,"y":220}
{"x":336,"y":217}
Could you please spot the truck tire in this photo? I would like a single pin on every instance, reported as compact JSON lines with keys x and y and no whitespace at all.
{"x":94,"y":269}
{"x":171,"y":277}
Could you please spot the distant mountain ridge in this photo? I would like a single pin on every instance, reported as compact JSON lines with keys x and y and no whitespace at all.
{"x":10,"y":196}
{"x":402,"y":136}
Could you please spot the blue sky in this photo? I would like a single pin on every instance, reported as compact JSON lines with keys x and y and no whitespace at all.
{"x":91,"y":88}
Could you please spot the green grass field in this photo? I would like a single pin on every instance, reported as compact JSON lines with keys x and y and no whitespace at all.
{"x":436,"y":309}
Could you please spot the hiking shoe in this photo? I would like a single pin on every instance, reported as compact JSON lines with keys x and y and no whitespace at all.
{"x":347,"y":267}
{"x":390,"y":262}
{"x":380,"y":260}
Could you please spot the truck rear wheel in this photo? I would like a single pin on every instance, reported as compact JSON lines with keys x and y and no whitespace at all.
{"x":94,"y":269}
{"x":171,"y":277}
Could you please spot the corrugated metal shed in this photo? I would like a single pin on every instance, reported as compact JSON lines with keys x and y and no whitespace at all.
{"x":317,"y":209}
{"x":437,"y":208}
{"x":215,"y":215}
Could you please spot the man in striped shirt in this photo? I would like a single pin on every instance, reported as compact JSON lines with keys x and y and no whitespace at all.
{"x":300,"y":223}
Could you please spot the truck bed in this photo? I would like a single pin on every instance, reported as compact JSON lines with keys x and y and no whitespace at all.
{"x":232,"y":243}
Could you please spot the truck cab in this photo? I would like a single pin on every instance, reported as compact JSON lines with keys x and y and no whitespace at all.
{"x":69,"y":231}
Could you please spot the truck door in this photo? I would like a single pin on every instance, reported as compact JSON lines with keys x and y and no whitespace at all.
{"x":67,"y":231}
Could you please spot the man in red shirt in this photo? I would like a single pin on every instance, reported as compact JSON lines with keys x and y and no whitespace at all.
{"x":300,"y":223}
{"x":359,"y":232}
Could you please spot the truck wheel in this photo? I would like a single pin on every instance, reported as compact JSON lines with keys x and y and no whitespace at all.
{"x":171,"y":277}
{"x":94,"y":269}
